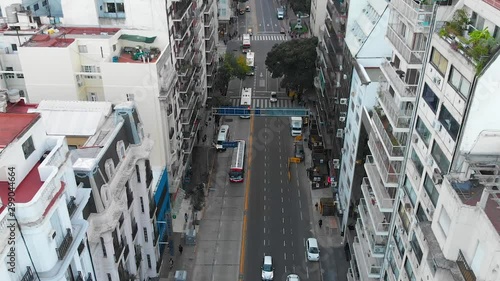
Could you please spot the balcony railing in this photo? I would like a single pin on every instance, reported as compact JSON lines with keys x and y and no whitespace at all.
{"x":418,"y":15}
{"x":400,"y":117}
{"x":464,"y":267}
{"x":186,"y":86}
{"x":207,"y":19}
{"x":377,"y":245}
{"x":187,"y":115}
{"x":209,"y":45}
{"x":181,"y":28}
{"x":89,"y":277}
{"x":210,"y":57}
{"x":210,"y":69}
{"x":183,"y":49}
{"x":404,"y":90}
{"x":152,"y":209}
{"x":65,"y":244}
{"x":72,"y":206}
{"x":28,"y":275}
{"x":410,"y":55}
{"x":130,"y":198}
{"x":184,"y":68}
{"x":379,"y":224}
{"x":208,"y":5}
{"x":371,"y":267}
{"x":209,"y":31}
{"x":127,"y":251}
{"x":390,"y":142}
{"x":382,"y":197}
{"x":389,"y":169}
{"x":210,"y":81}
{"x":387,"y":178}
{"x":187,"y":101}
{"x":181,"y":9}
{"x":189,"y":129}
{"x":138,"y":256}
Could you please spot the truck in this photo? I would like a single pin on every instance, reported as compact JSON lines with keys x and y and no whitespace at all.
{"x":296,"y":126}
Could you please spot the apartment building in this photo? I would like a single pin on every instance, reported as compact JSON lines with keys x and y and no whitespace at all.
{"x":47,"y":221}
{"x":119,"y":51}
{"x":427,"y":131}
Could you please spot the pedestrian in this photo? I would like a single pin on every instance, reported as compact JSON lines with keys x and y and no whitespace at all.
{"x":320,"y":222}
{"x":205,"y":138}
{"x":181,"y":249}
{"x":171,"y":261}
{"x":206,"y":124}
{"x":316,"y":205}
{"x":186,"y":217}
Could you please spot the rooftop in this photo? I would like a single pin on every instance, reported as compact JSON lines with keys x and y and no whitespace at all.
{"x":63,"y":36}
{"x":26,"y":189}
{"x":14,"y":125}
{"x":20,"y":107}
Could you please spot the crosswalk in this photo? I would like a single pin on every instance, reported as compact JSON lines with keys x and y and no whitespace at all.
{"x":264,"y":102}
{"x":277,"y":37}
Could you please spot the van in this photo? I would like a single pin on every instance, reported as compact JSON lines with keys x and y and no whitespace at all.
{"x":312,"y":249}
{"x":222,"y":137}
{"x":280,"y":13}
{"x":267,"y":269}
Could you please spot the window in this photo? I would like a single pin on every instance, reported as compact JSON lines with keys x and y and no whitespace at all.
{"x":93,"y":97}
{"x":399,"y":244}
{"x":115,"y":8}
{"x":109,"y":167}
{"x":416,"y":248}
{"x":145,"y":230}
{"x":449,"y":123}
{"x":496,"y":32}
{"x":416,"y":161}
{"x":28,"y":147}
{"x":394,"y":267}
{"x":458,"y":82}
{"x":441,"y":160}
{"x":9,"y":75}
{"x":404,"y":217}
{"x":91,"y":68}
{"x":36,"y":7}
{"x":141,"y":199}
{"x":444,"y":221}
{"x":138,"y":173}
{"x":44,"y":3}
{"x":114,"y":47}
{"x":82,"y":49}
{"x":439,"y":62}
{"x":149,"y":260}
{"x":103,"y":246}
{"x":431,"y":190}
{"x":423,"y":132}
{"x":14,"y":47}
{"x":109,"y":277}
{"x":421,"y":216}
{"x":409,"y":270}
{"x":130,"y":97}
{"x":20,"y":76}
{"x":120,"y":149}
{"x":430,"y":98}
{"x":410,"y":191}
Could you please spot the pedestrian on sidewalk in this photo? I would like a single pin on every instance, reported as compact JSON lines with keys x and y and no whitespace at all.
{"x":205,"y":138}
{"x":316,"y":205}
{"x":320,"y":222}
{"x":171,"y":261}
{"x":186,"y":217}
{"x":181,"y":249}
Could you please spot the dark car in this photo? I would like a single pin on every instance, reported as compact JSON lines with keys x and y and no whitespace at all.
{"x":299,"y":150}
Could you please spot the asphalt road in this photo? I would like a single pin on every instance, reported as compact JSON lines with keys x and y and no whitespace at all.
{"x":278,"y":216}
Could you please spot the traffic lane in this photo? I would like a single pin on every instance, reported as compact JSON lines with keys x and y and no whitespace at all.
{"x":261,"y":16}
{"x":256,"y":208}
{"x":272,"y":16}
{"x":262,"y":48}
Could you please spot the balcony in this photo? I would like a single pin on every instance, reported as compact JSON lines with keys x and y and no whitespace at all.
{"x":118,"y":246}
{"x":65,"y":244}
{"x":336,"y":23}
{"x":181,"y":9}
{"x":377,"y":244}
{"x":181,"y":28}
{"x":210,"y":57}
{"x":72,"y":206}
{"x":188,"y":100}
{"x":384,"y":200}
{"x":210,"y":69}
{"x":377,"y":219}
{"x":210,"y":81}
{"x":28,"y":275}
{"x":405,"y":91}
{"x":207,"y":19}
{"x":189,"y":130}
{"x":152,"y":209}
{"x":418,"y":15}
{"x":384,"y":129}
{"x":399,"y":118}
{"x":209,"y":45}
{"x":464,"y":267}
{"x":411,"y":55}
{"x":209,"y":32}
{"x":368,"y":267}
{"x":186,"y":85}
{"x":389,"y":171}
{"x":185,"y":68}
{"x":182,"y":49}
{"x":187,"y":115}
{"x":208,"y":6}
{"x":333,"y":41}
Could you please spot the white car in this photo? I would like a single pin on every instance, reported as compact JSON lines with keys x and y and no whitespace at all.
{"x":292,"y":277}
{"x":267,"y":269}
{"x":312,"y":249}
{"x":274,"y":97}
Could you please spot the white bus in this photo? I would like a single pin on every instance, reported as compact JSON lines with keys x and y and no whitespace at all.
{"x":237,"y":170}
{"x":222,"y":137}
{"x":246,"y":100}
{"x":251,"y":62}
{"x":246,"y":43}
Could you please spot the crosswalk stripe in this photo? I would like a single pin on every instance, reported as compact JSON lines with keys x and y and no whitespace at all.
{"x":264,"y":102}
{"x":280,"y":37}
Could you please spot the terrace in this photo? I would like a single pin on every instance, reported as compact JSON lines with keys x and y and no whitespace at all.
{"x":181,"y":9}
{"x":183,"y":47}
{"x":62,"y":37}
{"x":395,"y":76}
{"x":399,"y":117}
{"x":415,"y":12}
{"x":382,"y":196}
{"x":376,"y":243}
{"x":368,"y":266}
{"x":370,"y":214}
{"x":384,"y":129}
{"x":137,"y":54}
{"x":412,"y":53}
{"x":181,"y":27}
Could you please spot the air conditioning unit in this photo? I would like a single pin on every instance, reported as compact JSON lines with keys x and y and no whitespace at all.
{"x":343,"y":101}
{"x":342,"y":119}
{"x":345,"y":76}
{"x":414,"y":138}
{"x":336,"y":161}
{"x":52,"y":235}
{"x":340,"y":67}
{"x":430,"y":210}
{"x":437,"y":178}
{"x":334,"y":184}
{"x":437,"y":80}
{"x":437,"y":125}
{"x":340,"y":133}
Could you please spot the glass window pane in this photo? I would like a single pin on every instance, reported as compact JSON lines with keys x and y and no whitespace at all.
{"x":423,"y":132}
{"x":449,"y":123}
{"x":465,"y":87}
{"x":455,"y":78}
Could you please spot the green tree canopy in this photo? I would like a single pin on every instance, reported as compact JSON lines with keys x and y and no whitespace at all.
{"x":231,"y":67}
{"x":296,"y":61}
{"x":303,"y":6}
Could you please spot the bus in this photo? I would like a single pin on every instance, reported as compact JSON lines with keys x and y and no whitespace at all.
{"x":222,"y":137}
{"x":237,"y":170}
{"x":246,"y":43}
{"x":251,"y":63}
{"x":246,"y":100}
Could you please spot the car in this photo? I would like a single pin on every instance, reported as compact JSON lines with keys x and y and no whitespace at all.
{"x":247,"y":8}
{"x":267,"y":268}
{"x":312,"y":249}
{"x":282,"y":30}
{"x":292,"y":277}
{"x":299,"y":150}
{"x":274,"y":97}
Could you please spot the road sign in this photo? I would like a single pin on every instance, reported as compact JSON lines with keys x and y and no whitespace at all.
{"x":273,"y":111}
{"x":231,"y":110}
{"x":230,"y":144}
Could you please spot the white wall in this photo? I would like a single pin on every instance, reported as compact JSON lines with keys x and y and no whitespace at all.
{"x":376,"y":45}
{"x":317,"y":15}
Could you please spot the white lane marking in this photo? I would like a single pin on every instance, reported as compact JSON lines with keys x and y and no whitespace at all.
{"x":291,"y":232}
{"x":282,"y":210}
{"x":300,"y":204}
{"x":292,"y":243}
{"x":283,"y":231}
{"x":281,"y":173}
{"x":280,"y":165}
{"x":298,"y":190}
{"x":281,"y":199}
{"x":284,"y":256}
{"x":264,"y":230}
{"x":280,"y":158}
{"x":283,"y":221}
{"x":264,"y":242}
{"x":298,"y":184}
{"x":265,"y":198}
{"x":307,"y":272}
{"x":264,"y":189}
{"x":265,"y":173}
{"x":301,"y":216}
{"x":281,"y":190}
{"x":281,"y":181}
{"x":264,"y":180}
{"x":264,"y":207}
{"x":284,"y":244}
{"x":294,"y":269}
{"x":285,"y":268}
{"x":264,"y":218}
{"x":218,"y":236}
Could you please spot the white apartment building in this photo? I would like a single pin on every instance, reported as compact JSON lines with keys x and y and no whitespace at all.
{"x":430,"y":207}
{"x":48,"y":224}
{"x":110,"y":156}
{"x":318,"y":15}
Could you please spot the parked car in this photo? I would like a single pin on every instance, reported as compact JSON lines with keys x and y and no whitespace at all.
{"x":292,"y":277}
{"x":299,"y":150}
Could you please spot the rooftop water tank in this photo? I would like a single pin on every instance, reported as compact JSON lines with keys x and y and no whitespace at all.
{"x":11,"y":15}
{"x":3,"y":102}
{"x":14,"y":95}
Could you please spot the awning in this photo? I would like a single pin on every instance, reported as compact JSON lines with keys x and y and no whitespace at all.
{"x":137,"y":38}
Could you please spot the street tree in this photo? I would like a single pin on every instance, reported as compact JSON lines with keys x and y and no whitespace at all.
{"x":295,"y":61}
{"x":230,"y":67}
{"x":303,"y":6}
